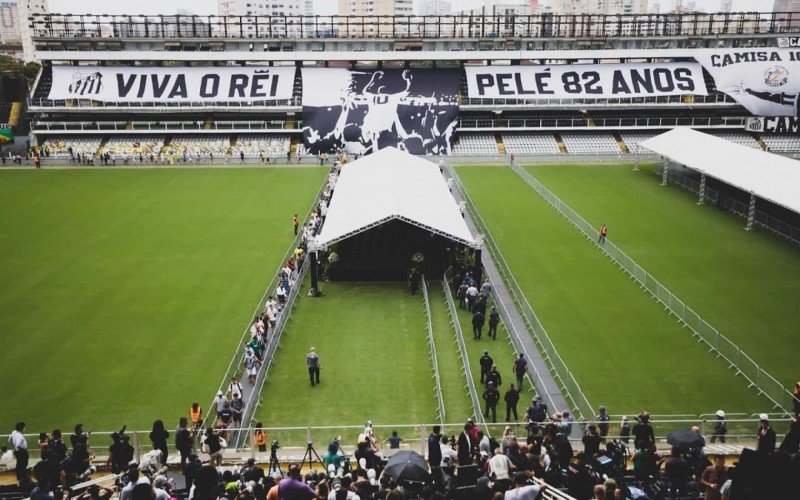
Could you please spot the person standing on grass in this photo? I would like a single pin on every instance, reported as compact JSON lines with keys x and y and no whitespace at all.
{"x":295,"y":223}
{"x":461,"y":295}
{"x":520,"y":369}
{"x":511,"y":398}
{"x":486,"y":362}
{"x":491,"y":395}
{"x":19,"y":446}
{"x":478,"y":320}
{"x":494,"y":321}
{"x":159,"y":436}
{"x":494,"y":377}
{"x":314,"y":365}
{"x":472,"y":294}
{"x":603,"y":232}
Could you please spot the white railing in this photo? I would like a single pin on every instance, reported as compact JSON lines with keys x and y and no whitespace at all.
{"x":568,"y":386}
{"x":163,"y":126}
{"x":491,"y":124}
{"x":462,"y":348}
{"x":713,"y":98}
{"x":294,"y":102}
{"x":737,"y":359}
{"x":433,"y":355}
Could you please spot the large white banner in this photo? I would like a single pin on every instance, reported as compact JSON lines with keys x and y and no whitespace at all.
{"x":585,"y":80}
{"x":172,"y":84}
{"x":765,"y":81}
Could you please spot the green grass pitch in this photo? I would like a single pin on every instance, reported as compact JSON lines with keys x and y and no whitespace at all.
{"x":744,"y":284}
{"x":622,"y":347}
{"x":123,"y":293}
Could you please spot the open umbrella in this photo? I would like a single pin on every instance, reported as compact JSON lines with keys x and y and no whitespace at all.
{"x":685,"y":439}
{"x":407,"y":466}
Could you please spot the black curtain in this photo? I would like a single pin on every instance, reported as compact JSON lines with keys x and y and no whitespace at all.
{"x":384,"y":253}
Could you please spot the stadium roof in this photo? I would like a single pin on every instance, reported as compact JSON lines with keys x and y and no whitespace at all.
{"x":392,"y":184}
{"x":771,"y":177}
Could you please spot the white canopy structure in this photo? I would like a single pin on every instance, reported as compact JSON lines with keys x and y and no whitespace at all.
{"x":392,"y":184}
{"x":768,"y":176}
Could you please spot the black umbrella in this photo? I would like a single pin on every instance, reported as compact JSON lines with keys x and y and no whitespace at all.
{"x":685,"y":439}
{"x":407,"y":466}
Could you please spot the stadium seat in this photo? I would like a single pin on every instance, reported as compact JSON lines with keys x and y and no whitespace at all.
{"x":531,"y":143}
{"x":476,"y":144}
{"x":632,"y":140}
{"x":782,"y":143}
{"x":590,"y":143}
{"x":272,"y":145}
{"x":58,"y":147}
{"x":742,"y":138}
{"x":198,"y":146}
{"x":132,"y":145}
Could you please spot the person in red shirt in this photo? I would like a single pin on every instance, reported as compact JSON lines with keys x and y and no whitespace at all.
{"x":714,"y":477}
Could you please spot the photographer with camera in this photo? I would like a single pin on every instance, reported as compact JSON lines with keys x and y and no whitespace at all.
{"x":333,"y":459}
{"x":80,"y":448}
{"x":120,"y":453}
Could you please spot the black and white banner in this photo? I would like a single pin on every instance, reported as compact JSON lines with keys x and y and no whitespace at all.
{"x":765,"y":81}
{"x":361,"y":111}
{"x":172,"y":84}
{"x":774,"y":124}
{"x":585,"y":80}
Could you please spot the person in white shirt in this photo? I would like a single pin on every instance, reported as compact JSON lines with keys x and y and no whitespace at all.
{"x":235,"y":388}
{"x":522,"y":490}
{"x":133,"y":480}
{"x":449,"y":455}
{"x":500,"y":466}
{"x":472,"y":292}
{"x":20,"y":448}
{"x":219,"y":401}
{"x":6,"y":455}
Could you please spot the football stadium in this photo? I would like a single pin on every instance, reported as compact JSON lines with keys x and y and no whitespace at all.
{"x":485,"y":254}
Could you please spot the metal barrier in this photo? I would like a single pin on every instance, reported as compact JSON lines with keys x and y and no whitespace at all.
{"x":556,"y":124}
{"x":737,"y":359}
{"x":712,"y":98}
{"x":234,"y":368}
{"x":294,"y":102}
{"x":434,"y":357}
{"x":762,"y":219}
{"x":462,"y":347}
{"x":558,"y":368}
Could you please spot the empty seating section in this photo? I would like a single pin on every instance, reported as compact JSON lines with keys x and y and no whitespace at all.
{"x":531,"y":143}
{"x":742,"y":138}
{"x":781,"y":142}
{"x":132,"y":145}
{"x":476,"y":144}
{"x":198,"y":146}
{"x":632,"y":140}
{"x":59,"y":147}
{"x":590,"y":143}
{"x":271,"y":145}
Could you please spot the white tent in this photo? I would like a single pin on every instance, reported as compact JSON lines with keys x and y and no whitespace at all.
{"x":391,"y":184}
{"x":769,"y":176}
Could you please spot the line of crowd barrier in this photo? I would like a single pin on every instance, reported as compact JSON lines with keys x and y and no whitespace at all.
{"x":568,"y":385}
{"x":741,"y":431}
{"x":462,"y":347}
{"x":737,"y":359}
{"x":762,"y":219}
{"x":433,"y":355}
{"x":234,"y":367}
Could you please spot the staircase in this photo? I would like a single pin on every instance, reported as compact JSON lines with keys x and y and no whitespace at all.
{"x":589,"y":119}
{"x":560,"y":142}
{"x":208,"y":123}
{"x":687,"y":99}
{"x":622,"y":146}
{"x":761,"y":143}
{"x":13,"y":114}
{"x":501,"y":147}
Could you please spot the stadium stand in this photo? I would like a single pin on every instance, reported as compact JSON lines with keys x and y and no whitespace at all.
{"x":781,"y":143}
{"x":476,"y":144}
{"x":133,"y":145}
{"x":530,"y":143}
{"x":632,"y":140}
{"x":742,"y":138}
{"x":254,"y":145}
{"x":194,"y":147}
{"x":59,"y":147}
{"x":590,"y":143}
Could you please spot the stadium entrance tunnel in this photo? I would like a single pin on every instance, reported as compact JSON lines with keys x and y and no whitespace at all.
{"x":387,"y":252}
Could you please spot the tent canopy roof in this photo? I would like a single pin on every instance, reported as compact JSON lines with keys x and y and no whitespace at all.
{"x":769,"y":176}
{"x":392,"y":184}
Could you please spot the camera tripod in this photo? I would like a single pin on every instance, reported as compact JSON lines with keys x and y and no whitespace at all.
{"x":274,"y":465}
{"x":310,"y":454}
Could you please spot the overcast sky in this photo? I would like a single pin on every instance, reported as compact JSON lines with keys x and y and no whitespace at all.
{"x":323,"y":7}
